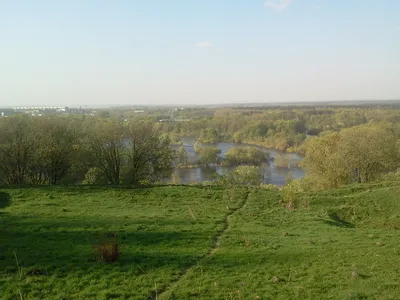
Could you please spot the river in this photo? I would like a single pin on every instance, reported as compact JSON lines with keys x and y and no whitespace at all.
{"x":272,"y":173}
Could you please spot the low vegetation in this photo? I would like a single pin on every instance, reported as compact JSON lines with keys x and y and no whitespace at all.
{"x":247,"y":155}
{"x":58,"y":242}
{"x":200,"y":243}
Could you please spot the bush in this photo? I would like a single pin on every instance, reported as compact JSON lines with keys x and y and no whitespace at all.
{"x":94,"y":176}
{"x":242,"y":175}
{"x":245,"y":156}
{"x":269,"y":187}
{"x":391,"y":176}
{"x":209,"y":155}
{"x":108,"y":250}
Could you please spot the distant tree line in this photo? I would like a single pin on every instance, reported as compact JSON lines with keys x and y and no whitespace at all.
{"x":282,"y":128}
{"x":341,"y":145}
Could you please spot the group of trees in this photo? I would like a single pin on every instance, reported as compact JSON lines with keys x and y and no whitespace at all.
{"x":245,"y":156}
{"x":341,"y":145}
{"x":283,"y":128}
{"x":208,"y":154}
{"x":354,"y":155}
{"x":68,"y":150}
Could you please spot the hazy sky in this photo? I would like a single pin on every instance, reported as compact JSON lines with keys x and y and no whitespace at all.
{"x":93,"y":52}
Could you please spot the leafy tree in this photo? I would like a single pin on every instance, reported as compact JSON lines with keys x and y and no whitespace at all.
{"x":209,"y":155}
{"x":209,"y":136}
{"x":94,"y":176}
{"x":17,"y":145}
{"x":148,"y":154}
{"x":243,"y":175}
{"x":245,"y":156}
{"x":357,"y":154}
{"x":368,"y":151}
{"x":182,"y":156}
{"x":56,"y":144}
{"x":106,"y":141}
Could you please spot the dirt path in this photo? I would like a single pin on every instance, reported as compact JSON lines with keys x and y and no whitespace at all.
{"x":161,"y":293}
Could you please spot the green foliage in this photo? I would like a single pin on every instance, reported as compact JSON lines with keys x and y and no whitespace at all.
{"x":281,"y":128}
{"x":285,"y":161}
{"x":17,"y":144}
{"x":391,"y":176}
{"x":58,"y":150}
{"x":242,"y":176}
{"x":245,"y":156}
{"x":181,"y":156}
{"x":208,"y":136}
{"x":107,"y":147}
{"x":209,"y":155}
{"x":94,"y":176}
{"x":148,"y":155}
{"x":269,"y":187}
{"x":357,"y":154}
{"x":290,"y":193}
{"x":173,"y":138}
{"x":36,"y":151}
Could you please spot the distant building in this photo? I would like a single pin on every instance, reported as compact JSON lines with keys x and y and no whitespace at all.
{"x":30,"y":108}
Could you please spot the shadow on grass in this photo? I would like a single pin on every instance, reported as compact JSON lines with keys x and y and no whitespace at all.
{"x":61,"y":246}
{"x":98,"y":188}
{"x":5,"y":200}
{"x":335,"y":220}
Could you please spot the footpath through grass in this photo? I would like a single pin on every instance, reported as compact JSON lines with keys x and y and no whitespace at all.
{"x":340,"y":244}
{"x":201,"y":243}
{"x":50,"y":231}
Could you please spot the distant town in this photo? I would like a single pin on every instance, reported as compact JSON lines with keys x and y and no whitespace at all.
{"x":44,"y":110}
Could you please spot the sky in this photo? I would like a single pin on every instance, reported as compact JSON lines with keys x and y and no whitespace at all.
{"x":159,"y":52}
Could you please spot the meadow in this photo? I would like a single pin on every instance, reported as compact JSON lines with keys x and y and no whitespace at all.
{"x":188,"y":242}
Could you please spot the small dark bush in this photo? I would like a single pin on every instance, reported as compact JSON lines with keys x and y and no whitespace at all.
{"x":108,"y":250}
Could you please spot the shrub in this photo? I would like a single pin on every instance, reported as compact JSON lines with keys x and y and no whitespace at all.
{"x":290,"y":194}
{"x":108,"y":250}
{"x":269,"y":187}
{"x":242,"y":175}
{"x":94,"y":176}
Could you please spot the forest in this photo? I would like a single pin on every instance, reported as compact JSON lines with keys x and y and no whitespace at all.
{"x":340,"y":144}
{"x":282,"y":128}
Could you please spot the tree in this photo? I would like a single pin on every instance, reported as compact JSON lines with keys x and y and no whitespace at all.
{"x":243,"y":175}
{"x":148,"y":154}
{"x":182,"y":156}
{"x":357,"y":154}
{"x":245,"y":156}
{"x":56,"y":145}
{"x":209,"y":155}
{"x":106,"y":141}
{"x":368,"y":151}
{"x":17,"y":144}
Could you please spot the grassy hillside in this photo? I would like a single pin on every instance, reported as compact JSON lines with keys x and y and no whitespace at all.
{"x":200,"y":243}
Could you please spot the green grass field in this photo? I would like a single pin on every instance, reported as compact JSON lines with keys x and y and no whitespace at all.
{"x":200,"y":243}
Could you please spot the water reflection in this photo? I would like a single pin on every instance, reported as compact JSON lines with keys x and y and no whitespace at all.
{"x":271,"y":172}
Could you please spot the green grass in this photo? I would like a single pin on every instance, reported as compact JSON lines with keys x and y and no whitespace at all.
{"x":201,"y":243}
